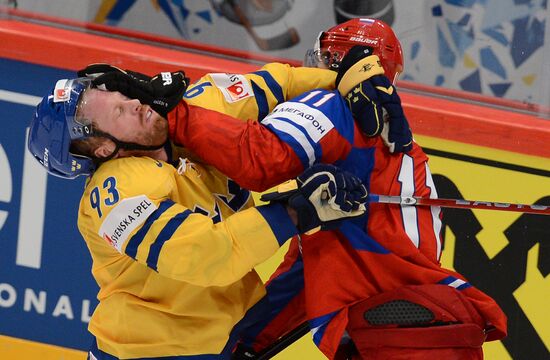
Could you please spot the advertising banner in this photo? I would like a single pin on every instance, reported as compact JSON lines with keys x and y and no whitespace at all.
{"x":47,"y":294}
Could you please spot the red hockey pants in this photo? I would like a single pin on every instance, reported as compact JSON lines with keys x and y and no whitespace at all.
{"x":417,"y":322}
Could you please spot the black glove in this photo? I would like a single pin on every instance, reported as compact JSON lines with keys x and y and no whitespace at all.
{"x":367,"y":102}
{"x":369,"y":97}
{"x":162,"y":92}
{"x":322,"y":196}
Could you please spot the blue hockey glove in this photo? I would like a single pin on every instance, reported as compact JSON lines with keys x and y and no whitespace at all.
{"x":162,"y":92}
{"x":322,"y":196}
{"x":367,"y":102}
{"x":368,"y":92}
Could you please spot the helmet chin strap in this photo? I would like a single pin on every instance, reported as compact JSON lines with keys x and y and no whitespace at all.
{"x":124,"y":145}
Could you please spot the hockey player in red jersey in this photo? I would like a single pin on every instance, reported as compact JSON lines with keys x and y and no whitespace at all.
{"x":385,"y":288}
{"x":376,"y":282}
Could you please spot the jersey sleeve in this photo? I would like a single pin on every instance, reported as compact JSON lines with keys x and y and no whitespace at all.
{"x":142,"y":220}
{"x":295,"y":81}
{"x":254,"y":95}
{"x":246,"y":152}
{"x":317,"y":125}
{"x":314,"y":127}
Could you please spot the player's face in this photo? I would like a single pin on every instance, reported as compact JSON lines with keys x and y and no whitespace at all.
{"x":124,"y":118}
{"x":323,"y":59}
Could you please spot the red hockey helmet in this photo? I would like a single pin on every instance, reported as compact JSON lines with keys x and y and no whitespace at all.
{"x":333,"y":44}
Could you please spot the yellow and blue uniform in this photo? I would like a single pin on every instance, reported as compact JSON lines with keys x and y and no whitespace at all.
{"x":175,"y":269}
{"x":254,"y":95}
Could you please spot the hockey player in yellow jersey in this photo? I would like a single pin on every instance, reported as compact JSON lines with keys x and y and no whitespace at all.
{"x":244,"y":96}
{"x":173,"y":262}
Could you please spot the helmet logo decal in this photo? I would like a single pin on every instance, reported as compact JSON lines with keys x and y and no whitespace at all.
{"x":364,"y":40}
{"x":55,"y":125}
{"x":60,"y":93}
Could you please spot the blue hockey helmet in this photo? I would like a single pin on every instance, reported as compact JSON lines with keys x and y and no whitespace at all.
{"x":55,"y":124}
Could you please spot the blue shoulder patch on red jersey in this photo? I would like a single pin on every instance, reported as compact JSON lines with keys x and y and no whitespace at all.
{"x":306,"y":120}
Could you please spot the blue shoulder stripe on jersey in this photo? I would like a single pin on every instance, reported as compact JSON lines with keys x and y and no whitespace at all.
{"x":278,"y":219}
{"x":455,"y":282}
{"x":273,"y":85}
{"x":165,"y":235}
{"x":136,"y":240}
{"x":463,"y":286}
{"x":307,"y":150}
{"x":261,"y":100}
{"x":293,"y":144}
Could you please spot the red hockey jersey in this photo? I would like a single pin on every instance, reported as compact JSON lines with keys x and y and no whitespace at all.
{"x":334,"y":270}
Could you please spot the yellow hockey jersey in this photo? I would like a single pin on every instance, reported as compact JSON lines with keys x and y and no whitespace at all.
{"x":174,"y":266}
{"x":254,"y":95}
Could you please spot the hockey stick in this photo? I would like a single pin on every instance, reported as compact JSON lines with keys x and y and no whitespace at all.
{"x":283,"y":342}
{"x":422,"y":201}
{"x":459,"y":203}
{"x":281,"y":41}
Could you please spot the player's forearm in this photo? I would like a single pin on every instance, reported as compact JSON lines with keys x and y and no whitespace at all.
{"x":247,"y":152}
{"x":207,"y":254}
{"x":304,"y":79}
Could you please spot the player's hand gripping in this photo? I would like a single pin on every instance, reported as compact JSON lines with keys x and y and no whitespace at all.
{"x":322,"y":196}
{"x":368,"y":93}
{"x":162,"y":92}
